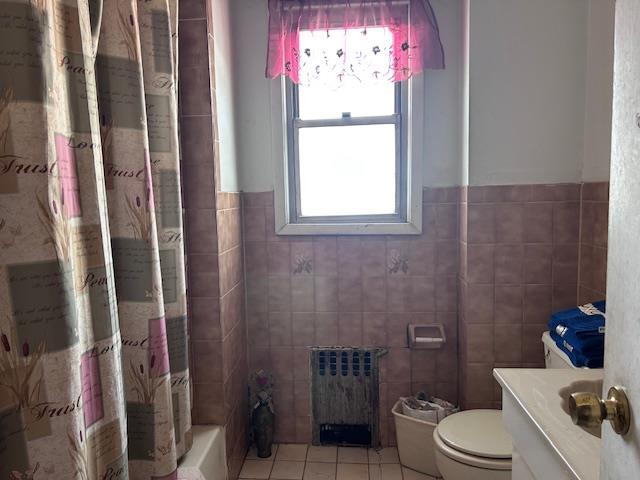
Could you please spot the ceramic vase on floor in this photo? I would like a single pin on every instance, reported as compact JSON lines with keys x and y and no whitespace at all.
{"x":263,"y":421}
{"x":262,"y":415}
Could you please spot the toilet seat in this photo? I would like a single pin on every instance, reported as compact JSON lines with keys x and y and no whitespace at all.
{"x":471,"y":460}
{"x":475,"y":438}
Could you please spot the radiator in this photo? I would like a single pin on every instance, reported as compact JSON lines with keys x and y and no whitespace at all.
{"x":344,"y":396}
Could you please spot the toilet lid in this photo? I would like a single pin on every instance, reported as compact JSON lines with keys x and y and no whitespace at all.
{"x":477,"y":432}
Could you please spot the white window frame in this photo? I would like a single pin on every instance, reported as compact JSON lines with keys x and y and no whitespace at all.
{"x":412,"y":123}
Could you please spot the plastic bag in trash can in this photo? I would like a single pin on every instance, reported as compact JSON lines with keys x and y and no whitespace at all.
{"x":432,"y":411}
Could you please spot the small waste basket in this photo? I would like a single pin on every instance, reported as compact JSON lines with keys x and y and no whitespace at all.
{"x":415,"y":422}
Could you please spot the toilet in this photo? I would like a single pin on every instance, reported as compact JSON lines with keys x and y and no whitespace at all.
{"x":473,"y":444}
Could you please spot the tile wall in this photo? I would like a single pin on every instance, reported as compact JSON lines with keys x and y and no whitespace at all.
{"x":593,"y":242}
{"x":233,"y":330}
{"x":213,"y":244}
{"x":519,"y":262}
{"x":351,"y":290}
{"x":492,"y":264}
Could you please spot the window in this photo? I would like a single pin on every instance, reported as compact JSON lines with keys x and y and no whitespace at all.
{"x":348,"y":164}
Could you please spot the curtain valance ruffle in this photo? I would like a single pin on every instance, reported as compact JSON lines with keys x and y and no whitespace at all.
{"x":331,"y":41}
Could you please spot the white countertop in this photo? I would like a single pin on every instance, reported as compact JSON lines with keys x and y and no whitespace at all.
{"x":536,"y":391}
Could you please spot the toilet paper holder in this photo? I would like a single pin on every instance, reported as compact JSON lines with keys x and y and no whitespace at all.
{"x":426,"y":336}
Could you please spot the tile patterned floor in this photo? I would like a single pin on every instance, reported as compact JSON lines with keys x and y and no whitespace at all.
{"x":303,"y":462}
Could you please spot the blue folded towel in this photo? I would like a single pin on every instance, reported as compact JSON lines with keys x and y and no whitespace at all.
{"x":592,"y":359}
{"x":582,"y":354}
{"x":585,"y":319}
{"x":581,"y":360}
{"x":579,"y":332}
{"x":591,"y":345}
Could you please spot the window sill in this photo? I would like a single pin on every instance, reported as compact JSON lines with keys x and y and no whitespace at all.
{"x":349,"y":229}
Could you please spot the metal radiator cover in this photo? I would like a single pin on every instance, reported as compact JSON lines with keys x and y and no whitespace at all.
{"x":345,"y":404}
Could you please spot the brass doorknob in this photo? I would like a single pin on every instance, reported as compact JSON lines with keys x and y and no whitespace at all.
{"x":589,"y":410}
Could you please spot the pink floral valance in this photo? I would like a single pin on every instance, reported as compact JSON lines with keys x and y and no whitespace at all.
{"x":331,"y":41}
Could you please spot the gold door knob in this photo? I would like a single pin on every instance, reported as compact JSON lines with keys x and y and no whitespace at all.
{"x":589,"y":410}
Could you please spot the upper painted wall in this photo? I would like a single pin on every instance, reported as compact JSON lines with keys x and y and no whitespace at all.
{"x":537,"y":77}
{"x":540,"y":76}
{"x":526,"y":90}
{"x":599,"y":91}
{"x":225,"y":92}
{"x":443,"y":101}
{"x":253,"y":104}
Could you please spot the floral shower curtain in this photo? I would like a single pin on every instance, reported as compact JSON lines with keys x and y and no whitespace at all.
{"x":94,"y":378}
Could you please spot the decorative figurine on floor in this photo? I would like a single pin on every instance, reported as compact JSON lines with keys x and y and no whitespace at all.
{"x":262,"y":416}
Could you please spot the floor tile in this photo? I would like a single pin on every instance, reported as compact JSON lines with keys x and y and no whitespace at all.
{"x":390,"y":471}
{"x":352,"y":455}
{"x":384,"y":455}
{"x":252,"y":455}
{"x":319,"y":471}
{"x":257,"y":469}
{"x":352,"y":471}
{"x":302,"y":462}
{"x":322,"y":454}
{"x":295,"y":452}
{"x":409,"y":474}
{"x":285,"y":470}
{"x":375,"y":472}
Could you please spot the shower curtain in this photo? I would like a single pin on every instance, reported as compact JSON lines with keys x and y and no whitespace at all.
{"x":94,"y":377}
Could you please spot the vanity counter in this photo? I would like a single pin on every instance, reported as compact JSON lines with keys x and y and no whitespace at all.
{"x":544,"y":436}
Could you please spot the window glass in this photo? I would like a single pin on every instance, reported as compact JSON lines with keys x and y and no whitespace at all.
{"x":347,"y":170}
{"x":321,"y":101}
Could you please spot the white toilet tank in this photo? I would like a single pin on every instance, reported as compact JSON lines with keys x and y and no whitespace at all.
{"x":553,"y":356}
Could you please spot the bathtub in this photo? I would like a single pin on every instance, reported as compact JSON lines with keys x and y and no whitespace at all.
{"x":206,"y":460}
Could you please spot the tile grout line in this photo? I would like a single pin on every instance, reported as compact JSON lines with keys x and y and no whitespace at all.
{"x":369,"y":464}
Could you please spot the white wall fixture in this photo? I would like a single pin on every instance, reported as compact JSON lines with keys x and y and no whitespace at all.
{"x":424,"y":336}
